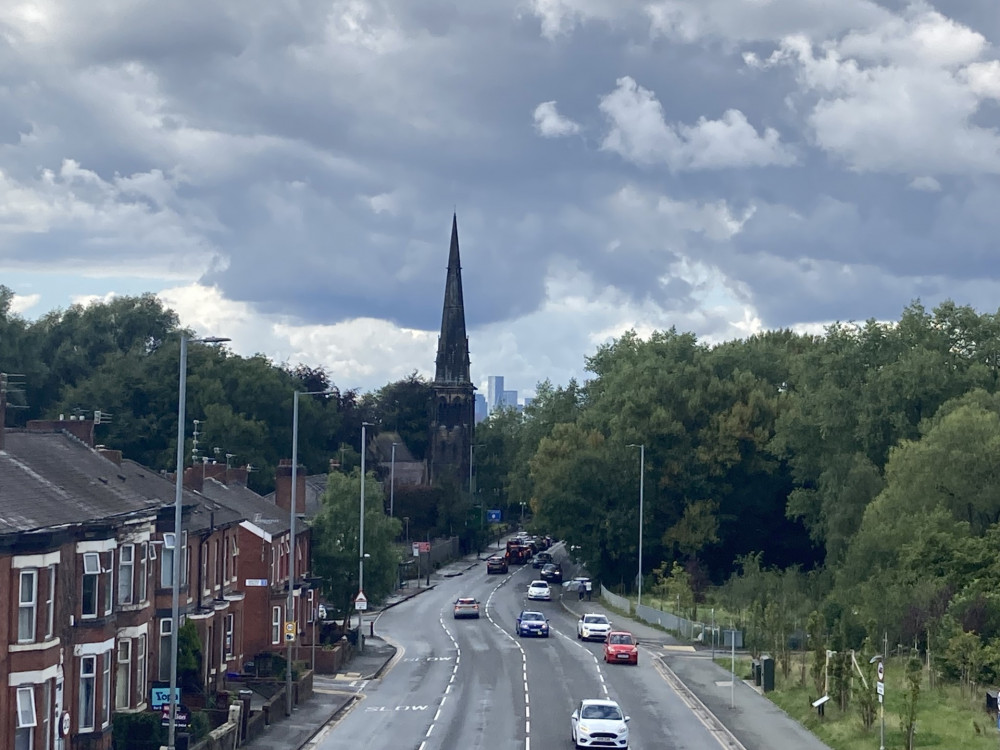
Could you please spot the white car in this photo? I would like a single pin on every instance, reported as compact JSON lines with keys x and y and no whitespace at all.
{"x":593,"y":626}
{"x":599,"y":723}
{"x":540,"y":590}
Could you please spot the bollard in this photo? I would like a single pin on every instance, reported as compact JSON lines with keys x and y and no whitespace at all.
{"x":371,"y":630}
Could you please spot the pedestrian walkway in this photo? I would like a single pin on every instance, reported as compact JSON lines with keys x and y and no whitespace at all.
{"x":741,"y":717}
{"x":334,"y":694}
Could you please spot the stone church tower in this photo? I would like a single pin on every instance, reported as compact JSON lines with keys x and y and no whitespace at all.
{"x":453,"y":410}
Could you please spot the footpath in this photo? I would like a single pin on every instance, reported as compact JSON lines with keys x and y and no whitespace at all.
{"x":739,"y":716}
{"x":334,"y":694}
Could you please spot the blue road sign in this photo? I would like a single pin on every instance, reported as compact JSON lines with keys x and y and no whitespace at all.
{"x":493,"y":516}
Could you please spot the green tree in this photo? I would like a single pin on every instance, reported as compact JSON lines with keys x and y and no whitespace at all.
{"x":911,"y":696}
{"x":335,"y":542}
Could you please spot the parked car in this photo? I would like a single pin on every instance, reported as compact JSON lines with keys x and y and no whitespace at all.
{"x":466,"y":606}
{"x":539,"y":590}
{"x":593,"y":626}
{"x":552,"y":573}
{"x":496,"y":564}
{"x":541,"y":559}
{"x":599,"y":723}
{"x":621,"y":647}
{"x":532,"y":623}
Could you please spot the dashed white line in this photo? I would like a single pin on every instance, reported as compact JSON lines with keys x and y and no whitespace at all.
{"x":524,"y":662}
{"x":454,"y":671}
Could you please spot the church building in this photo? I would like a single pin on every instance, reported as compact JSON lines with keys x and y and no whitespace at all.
{"x":452,"y":418}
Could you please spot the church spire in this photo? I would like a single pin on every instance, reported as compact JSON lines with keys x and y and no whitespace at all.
{"x":453,"y":343}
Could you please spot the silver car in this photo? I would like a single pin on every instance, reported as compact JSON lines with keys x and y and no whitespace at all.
{"x":599,"y":723}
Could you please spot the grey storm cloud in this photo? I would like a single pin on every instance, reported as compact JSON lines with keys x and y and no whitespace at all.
{"x":305,"y":158}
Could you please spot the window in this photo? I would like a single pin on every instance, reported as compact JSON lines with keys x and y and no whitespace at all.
{"x":26,"y":719}
{"x":109,"y":584}
{"x":311,"y":610}
{"x":227,"y":643}
{"x":140,"y":669}
{"x":26,"y":606}
{"x":47,"y":715}
{"x":185,"y":559}
{"x":140,"y":582}
{"x":215,"y":564}
{"x":276,"y":625}
{"x":225,"y":562}
{"x":205,"y":583}
{"x":50,"y":603}
{"x":123,"y":678}
{"x":106,"y":690}
{"x":88,"y":688}
{"x":236,"y":553}
{"x":166,"y":628}
{"x":91,"y":572}
{"x":167,"y":561}
{"x":126,"y":571}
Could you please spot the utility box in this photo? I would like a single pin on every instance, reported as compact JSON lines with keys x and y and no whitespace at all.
{"x":766,"y":673}
{"x":755,"y":671}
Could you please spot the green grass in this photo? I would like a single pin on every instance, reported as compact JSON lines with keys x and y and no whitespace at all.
{"x":944,"y":716}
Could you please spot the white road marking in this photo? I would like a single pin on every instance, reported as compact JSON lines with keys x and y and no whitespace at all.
{"x":524,"y":660}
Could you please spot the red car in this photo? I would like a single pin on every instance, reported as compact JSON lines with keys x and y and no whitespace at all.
{"x":621,"y":647}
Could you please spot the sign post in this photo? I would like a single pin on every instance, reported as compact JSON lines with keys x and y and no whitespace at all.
{"x":880,"y":689}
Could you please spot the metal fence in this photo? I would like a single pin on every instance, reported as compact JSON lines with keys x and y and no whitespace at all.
{"x":618,"y":602}
{"x":698,"y":632}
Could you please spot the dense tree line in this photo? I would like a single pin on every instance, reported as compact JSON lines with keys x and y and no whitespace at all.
{"x":853,"y":473}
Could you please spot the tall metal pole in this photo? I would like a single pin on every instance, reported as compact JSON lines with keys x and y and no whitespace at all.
{"x":178,"y":504}
{"x":642,"y":483}
{"x":392,"y":483}
{"x":361,"y":536}
{"x":290,"y":605}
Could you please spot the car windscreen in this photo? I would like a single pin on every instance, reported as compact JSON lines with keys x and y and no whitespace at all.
{"x":595,"y":619}
{"x":622,"y":639}
{"x":466,"y":601}
{"x":539,"y":585}
{"x":601,"y":712}
{"x":531,"y":616}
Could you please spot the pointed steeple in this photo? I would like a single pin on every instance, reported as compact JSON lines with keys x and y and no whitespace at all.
{"x":453,"y":343}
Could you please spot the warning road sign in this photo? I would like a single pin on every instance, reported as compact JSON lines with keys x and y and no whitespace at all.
{"x":361,"y":601}
{"x":881,"y":672}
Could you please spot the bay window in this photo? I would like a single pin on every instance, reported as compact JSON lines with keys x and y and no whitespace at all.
{"x":27,"y":604}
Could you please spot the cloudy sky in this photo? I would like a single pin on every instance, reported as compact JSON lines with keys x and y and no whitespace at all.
{"x":283,"y":172}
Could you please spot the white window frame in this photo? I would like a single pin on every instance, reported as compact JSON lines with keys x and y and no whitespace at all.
{"x":141,"y":657}
{"x":236,"y":558}
{"x":166,"y":632}
{"x":26,"y":719}
{"x":27,"y":607}
{"x":109,"y":585}
{"x":225,"y":560}
{"x":126,"y":574}
{"x":312,"y":606}
{"x":91,"y":570}
{"x":185,"y":559}
{"x":88,"y":675}
{"x":46,"y":715}
{"x":123,"y":674}
{"x":275,"y":625}
{"x":229,"y":637}
{"x":50,"y":603}
{"x":106,"y":690}
{"x":142,"y":580}
{"x":167,"y":560}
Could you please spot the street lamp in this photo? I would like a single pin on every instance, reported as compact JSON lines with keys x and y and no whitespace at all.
{"x":642,"y":477}
{"x":290,"y":605}
{"x":178,"y":505}
{"x":361,"y":533}
{"x":392,"y":482}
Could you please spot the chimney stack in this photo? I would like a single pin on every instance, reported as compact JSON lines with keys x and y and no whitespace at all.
{"x":283,"y":487}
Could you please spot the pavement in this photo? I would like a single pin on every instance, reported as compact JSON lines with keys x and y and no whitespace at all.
{"x":333,"y":695}
{"x":737,"y":714}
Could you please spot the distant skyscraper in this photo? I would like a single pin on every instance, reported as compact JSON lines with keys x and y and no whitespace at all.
{"x":527,"y":401}
{"x":509,"y":399}
{"x":494,"y":392}
{"x":481,"y":409}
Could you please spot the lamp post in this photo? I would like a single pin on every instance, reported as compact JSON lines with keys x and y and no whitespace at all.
{"x":178,"y":505}
{"x":642,"y":477}
{"x":361,"y":534}
{"x":392,"y":482}
{"x":290,"y":604}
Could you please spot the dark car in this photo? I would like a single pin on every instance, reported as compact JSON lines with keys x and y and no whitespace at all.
{"x":532,"y":623}
{"x":552,"y":573}
{"x":541,"y":559}
{"x":496,"y":565}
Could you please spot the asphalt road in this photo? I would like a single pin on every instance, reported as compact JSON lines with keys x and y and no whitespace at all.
{"x":473,"y":684}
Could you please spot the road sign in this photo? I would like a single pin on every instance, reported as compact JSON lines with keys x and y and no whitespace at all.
{"x":416,"y":549}
{"x":289,"y":630}
{"x":880,"y":670}
{"x":361,"y":601}
{"x":493,"y":516}
{"x":424,"y":546}
{"x":880,"y":688}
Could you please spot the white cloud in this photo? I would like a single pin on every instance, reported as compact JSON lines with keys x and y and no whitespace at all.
{"x":550,"y":124}
{"x":925,"y":184}
{"x":562,"y":16}
{"x":22,"y":303}
{"x":640,"y":134}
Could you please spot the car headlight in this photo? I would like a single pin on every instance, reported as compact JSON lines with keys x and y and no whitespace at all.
{"x":622,"y":728}
{"x":584,"y":728}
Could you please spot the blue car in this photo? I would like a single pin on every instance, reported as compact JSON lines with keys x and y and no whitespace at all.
{"x":533,"y":624}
